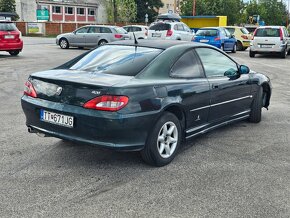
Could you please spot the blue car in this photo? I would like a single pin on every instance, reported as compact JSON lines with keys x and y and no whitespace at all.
{"x":218,"y":37}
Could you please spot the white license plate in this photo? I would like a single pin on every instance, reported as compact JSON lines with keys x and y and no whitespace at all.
{"x":204,"y":40}
{"x":266,"y":46}
{"x":8,"y":37}
{"x":55,"y":118}
{"x":156,"y":34}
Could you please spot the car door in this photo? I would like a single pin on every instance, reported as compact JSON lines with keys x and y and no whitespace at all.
{"x":227,"y":40}
{"x":79,"y":37}
{"x":194,"y":91}
{"x":188,"y":33}
{"x":230,"y":91}
{"x":93,"y":36}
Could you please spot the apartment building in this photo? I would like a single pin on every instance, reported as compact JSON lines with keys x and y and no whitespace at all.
{"x":61,"y":10}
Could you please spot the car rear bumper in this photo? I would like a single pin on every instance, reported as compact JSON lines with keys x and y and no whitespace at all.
{"x":106,"y":129}
{"x":10,"y":46}
{"x":274,"y":49}
{"x":246,"y":43}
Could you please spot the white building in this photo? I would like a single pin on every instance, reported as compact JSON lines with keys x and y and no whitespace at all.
{"x":62,"y":10}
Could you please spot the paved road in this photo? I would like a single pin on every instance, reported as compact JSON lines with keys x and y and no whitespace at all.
{"x":242,"y":170}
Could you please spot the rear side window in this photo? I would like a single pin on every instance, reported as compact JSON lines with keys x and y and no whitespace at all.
{"x":7,"y":27}
{"x":118,"y":60}
{"x":94,"y":30}
{"x":187,"y":66}
{"x":244,"y":31}
{"x":136,"y":29}
{"x":106,"y":30}
{"x":207,"y":32}
{"x":160,"y":26}
{"x":267,"y":32}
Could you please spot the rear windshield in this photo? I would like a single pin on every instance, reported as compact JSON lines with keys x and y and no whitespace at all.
{"x":267,"y":32}
{"x":245,"y":31}
{"x":118,"y":60}
{"x":160,"y":26}
{"x":7,"y":27}
{"x":207,"y":32}
{"x":120,"y":30}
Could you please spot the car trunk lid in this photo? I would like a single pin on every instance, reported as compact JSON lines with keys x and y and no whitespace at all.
{"x":72,"y":86}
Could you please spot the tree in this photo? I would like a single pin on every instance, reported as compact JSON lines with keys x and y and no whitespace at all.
{"x":272,"y":12}
{"x":150,"y":7}
{"x":126,"y":10}
{"x":8,"y":6}
{"x":121,"y":10}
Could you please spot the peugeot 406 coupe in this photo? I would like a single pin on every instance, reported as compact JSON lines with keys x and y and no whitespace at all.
{"x":147,"y":96}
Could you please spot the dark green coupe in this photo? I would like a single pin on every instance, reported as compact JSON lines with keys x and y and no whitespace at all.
{"x":147,"y":96}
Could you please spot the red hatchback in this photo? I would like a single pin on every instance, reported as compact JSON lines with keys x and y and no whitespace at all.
{"x":10,"y":38}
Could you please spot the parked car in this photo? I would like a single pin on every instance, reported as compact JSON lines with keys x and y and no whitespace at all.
{"x":140,"y":31}
{"x":242,"y":35}
{"x":10,"y":38}
{"x":91,"y":36}
{"x":144,"y":97}
{"x":270,"y":39}
{"x":218,"y":37}
{"x":170,"y":30}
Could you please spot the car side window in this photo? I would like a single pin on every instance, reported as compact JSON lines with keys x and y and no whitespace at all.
{"x":215,"y":63}
{"x":127,"y":29}
{"x":175,"y":27}
{"x":228,"y":34}
{"x":136,"y":29}
{"x":105,"y":30}
{"x":94,"y":30}
{"x":82,"y":30}
{"x":180,"y":27}
{"x":187,"y":66}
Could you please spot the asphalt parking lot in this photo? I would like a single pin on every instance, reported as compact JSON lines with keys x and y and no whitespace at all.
{"x":242,"y":170}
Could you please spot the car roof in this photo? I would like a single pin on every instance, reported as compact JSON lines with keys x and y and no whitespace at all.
{"x":264,"y":27}
{"x":135,"y":26}
{"x":215,"y":28}
{"x":109,"y":26}
{"x":158,"y":44}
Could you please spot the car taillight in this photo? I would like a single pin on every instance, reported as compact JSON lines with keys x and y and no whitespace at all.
{"x":217,"y":39}
{"x":169,"y":33}
{"x":193,"y":38}
{"x":107,"y":103}
{"x":244,"y":36}
{"x":146,"y":32}
{"x":118,"y":36}
{"x":254,"y":34}
{"x":29,"y":90}
{"x":281,"y":35}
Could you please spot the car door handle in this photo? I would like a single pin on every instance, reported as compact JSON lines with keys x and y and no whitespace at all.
{"x":215,"y":86}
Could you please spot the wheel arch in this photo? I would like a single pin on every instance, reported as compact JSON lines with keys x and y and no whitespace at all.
{"x":179,"y":112}
{"x":267,"y":90}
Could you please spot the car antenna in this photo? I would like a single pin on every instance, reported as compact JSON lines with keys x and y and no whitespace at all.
{"x":136,"y":42}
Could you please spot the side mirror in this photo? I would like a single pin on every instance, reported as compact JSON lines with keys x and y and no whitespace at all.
{"x":231,"y":73}
{"x":244,"y":69}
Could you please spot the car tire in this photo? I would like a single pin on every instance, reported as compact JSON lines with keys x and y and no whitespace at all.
{"x":256,"y":108}
{"x":163,"y":142}
{"x":283,"y":54}
{"x":102,"y":42}
{"x":63,"y":43}
{"x":240,"y":46}
{"x":14,"y":53}
{"x":252,"y":54}
{"x":234,"y":48}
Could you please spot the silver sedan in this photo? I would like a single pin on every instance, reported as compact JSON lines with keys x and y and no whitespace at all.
{"x":91,"y":36}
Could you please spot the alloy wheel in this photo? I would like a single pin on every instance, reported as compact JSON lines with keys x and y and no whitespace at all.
{"x":167,"y":139}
